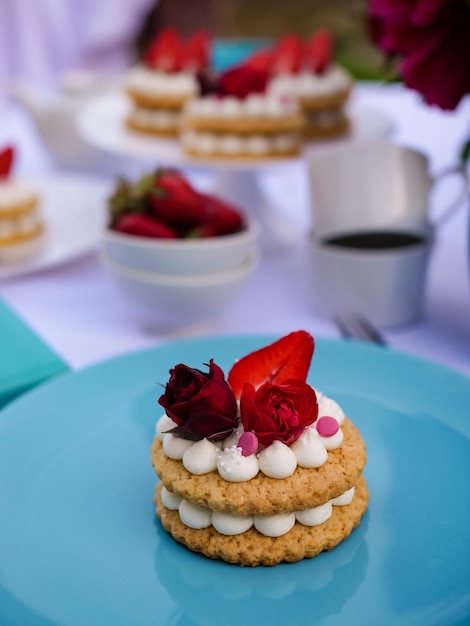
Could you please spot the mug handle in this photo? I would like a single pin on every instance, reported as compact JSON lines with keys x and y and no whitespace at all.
{"x":462,"y":195}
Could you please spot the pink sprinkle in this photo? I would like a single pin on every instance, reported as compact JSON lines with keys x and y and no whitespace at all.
{"x":327,"y":426}
{"x":248,"y":442}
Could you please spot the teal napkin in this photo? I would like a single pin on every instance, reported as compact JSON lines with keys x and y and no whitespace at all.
{"x":25,"y":360}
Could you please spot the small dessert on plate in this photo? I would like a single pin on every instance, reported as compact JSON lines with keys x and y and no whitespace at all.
{"x":21,"y":227}
{"x":165,"y":80}
{"x":307,"y":70}
{"x":238,"y":118}
{"x":259,"y":467}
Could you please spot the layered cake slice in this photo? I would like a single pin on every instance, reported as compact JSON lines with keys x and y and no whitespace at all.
{"x":259,"y":468}
{"x":21,"y":227}
{"x":237,"y":118}
{"x":164,"y":81}
{"x":307,"y":70}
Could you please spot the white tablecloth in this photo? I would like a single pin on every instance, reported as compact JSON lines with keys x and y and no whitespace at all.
{"x":76,"y":310}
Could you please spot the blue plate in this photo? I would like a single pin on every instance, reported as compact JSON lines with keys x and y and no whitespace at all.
{"x":79,"y":543}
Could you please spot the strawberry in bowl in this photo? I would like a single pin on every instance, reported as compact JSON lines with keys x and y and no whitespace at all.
{"x":161,"y":223}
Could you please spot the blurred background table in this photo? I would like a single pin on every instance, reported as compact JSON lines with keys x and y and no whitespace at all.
{"x":75,"y":310}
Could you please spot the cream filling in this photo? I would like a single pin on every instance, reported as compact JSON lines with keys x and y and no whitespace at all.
{"x":253,"y":106}
{"x":19,"y":226}
{"x":198,"y":517}
{"x":14,"y":192}
{"x":232,"y":144}
{"x":155,"y":83}
{"x":310,"y":85}
{"x":155,"y":118}
{"x":277,"y":460}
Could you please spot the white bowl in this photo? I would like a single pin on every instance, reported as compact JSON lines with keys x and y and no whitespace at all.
{"x":182,"y":256}
{"x":163,"y":301}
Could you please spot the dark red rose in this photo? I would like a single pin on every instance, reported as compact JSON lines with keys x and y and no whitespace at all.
{"x":202,"y":405}
{"x":278,"y":412}
{"x":241,"y":81}
{"x":432,"y":41}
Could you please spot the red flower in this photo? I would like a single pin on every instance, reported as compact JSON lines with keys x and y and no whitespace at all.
{"x":432,"y":39}
{"x":242,"y":81}
{"x":278,"y":412}
{"x":202,"y":405}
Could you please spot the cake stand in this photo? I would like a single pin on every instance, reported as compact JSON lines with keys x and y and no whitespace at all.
{"x":274,"y":191}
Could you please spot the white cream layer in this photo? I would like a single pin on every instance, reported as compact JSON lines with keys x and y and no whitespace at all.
{"x":155,"y":118}
{"x":14,"y":192}
{"x":272,"y":106}
{"x":231,"y":144}
{"x":277,"y":460}
{"x":198,"y":517}
{"x":311,"y":85}
{"x":154,"y":83}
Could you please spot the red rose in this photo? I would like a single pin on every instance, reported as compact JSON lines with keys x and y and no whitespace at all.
{"x":432,"y":41}
{"x":202,"y":405}
{"x":278,"y":412}
{"x":242,"y":81}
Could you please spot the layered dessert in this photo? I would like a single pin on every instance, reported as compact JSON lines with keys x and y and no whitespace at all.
{"x":238,"y":118}
{"x":308,"y":71}
{"x":21,"y":227}
{"x":164,"y":81}
{"x":261,"y":467}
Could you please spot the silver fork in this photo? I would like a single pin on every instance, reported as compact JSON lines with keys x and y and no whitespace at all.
{"x":356,"y":326}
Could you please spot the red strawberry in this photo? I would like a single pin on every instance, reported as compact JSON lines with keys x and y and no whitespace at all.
{"x":164,"y":53}
{"x":143,"y":226}
{"x":174,"y":201}
{"x":6,"y":161}
{"x":288,"y":357}
{"x":318,"y":52}
{"x":242,"y":80}
{"x":195,"y":53}
{"x":261,"y":60}
{"x":220,"y":218}
{"x":287,"y":55}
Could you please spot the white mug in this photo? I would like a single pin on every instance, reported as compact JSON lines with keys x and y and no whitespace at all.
{"x":373,"y":185}
{"x":386,"y":285}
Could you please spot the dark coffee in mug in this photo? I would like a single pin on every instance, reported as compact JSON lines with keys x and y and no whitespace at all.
{"x":375,"y":240}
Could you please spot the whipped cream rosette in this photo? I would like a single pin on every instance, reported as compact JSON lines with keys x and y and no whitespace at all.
{"x":258,"y":456}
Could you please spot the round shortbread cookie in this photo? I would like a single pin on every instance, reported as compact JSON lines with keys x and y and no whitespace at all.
{"x":340,"y":127}
{"x":242,"y":156}
{"x":169,"y":131}
{"x":304,"y":489}
{"x":244,"y":125}
{"x":327,"y":101}
{"x":157,"y":101}
{"x":19,"y":209}
{"x":252,"y":548}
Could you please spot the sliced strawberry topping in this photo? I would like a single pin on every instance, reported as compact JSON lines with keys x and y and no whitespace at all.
{"x":173,"y":200}
{"x":195,"y":53}
{"x":165,"y":51}
{"x":143,"y":226}
{"x":287,"y":55}
{"x":7,"y":156}
{"x":288,"y":357}
{"x":318,"y":52}
{"x":261,"y":60}
{"x":241,"y":81}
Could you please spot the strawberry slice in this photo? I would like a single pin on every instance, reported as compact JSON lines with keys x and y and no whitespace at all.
{"x":288,"y":357}
{"x":195,"y":53}
{"x":261,"y":60}
{"x":164,"y":53}
{"x":318,"y":52}
{"x":143,"y":226}
{"x":174,"y":201}
{"x":220,"y":218}
{"x":6,"y":161}
{"x":242,"y":80}
{"x":287,"y":55}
